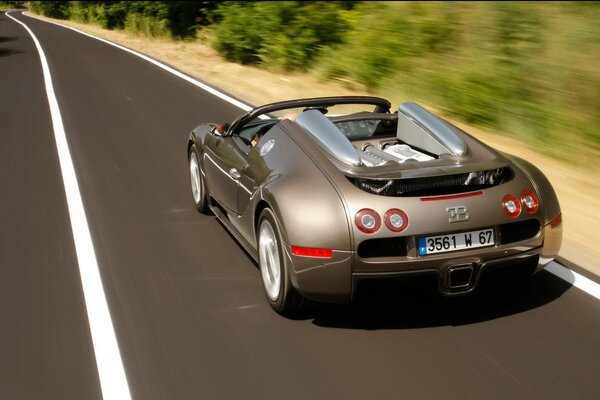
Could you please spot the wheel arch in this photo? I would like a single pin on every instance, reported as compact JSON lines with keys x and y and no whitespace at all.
{"x":260,"y":206}
{"x":189,"y":146}
{"x":316,"y":219}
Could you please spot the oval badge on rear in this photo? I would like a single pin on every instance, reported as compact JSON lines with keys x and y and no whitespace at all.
{"x":267,"y":147}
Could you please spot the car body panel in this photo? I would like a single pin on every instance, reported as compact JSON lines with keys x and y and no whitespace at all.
{"x":220,"y":159}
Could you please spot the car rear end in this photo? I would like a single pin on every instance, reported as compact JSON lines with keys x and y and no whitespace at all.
{"x":455,"y":238}
{"x":427,"y":199}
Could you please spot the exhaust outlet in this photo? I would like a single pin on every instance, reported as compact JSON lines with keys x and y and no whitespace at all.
{"x":459,"y":276}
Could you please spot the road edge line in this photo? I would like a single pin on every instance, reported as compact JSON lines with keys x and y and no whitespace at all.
{"x":113,"y":381}
{"x":578,"y":280}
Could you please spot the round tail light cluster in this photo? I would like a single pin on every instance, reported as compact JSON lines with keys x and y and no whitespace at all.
{"x":396,"y":220}
{"x":528,"y":201}
{"x":369,"y":221}
{"x":511,"y":205}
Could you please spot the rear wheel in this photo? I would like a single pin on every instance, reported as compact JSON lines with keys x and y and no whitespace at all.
{"x":280,"y":293}
{"x":197,"y":182}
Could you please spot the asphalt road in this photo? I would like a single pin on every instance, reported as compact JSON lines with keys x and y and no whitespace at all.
{"x":186,"y":301}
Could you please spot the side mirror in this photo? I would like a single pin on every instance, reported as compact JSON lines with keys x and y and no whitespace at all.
{"x":220,"y":129}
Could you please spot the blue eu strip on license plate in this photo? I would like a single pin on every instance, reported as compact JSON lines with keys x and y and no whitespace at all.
{"x":456,"y":241}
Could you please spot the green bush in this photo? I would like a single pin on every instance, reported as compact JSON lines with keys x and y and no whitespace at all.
{"x":52,"y":9}
{"x":182,"y":16}
{"x":307,"y":28}
{"x":239,"y":36}
{"x":176,"y":19}
{"x":287,"y":35}
{"x":109,"y":15}
{"x":11,"y":4}
{"x":390,"y":39}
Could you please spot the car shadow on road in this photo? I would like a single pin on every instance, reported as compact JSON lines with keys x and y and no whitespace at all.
{"x":8,"y":52}
{"x":5,"y":51}
{"x":6,"y":38}
{"x":402,"y":306}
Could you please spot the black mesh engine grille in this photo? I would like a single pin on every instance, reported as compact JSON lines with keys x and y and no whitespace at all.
{"x":435,"y":185}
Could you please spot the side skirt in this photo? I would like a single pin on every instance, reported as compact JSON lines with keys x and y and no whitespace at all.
{"x":221,"y":215}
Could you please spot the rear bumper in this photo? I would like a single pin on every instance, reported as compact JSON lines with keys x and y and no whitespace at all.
{"x":336,"y":280}
{"x":461,"y":278}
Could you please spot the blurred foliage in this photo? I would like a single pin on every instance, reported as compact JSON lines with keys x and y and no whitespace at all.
{"x":284,"y":34}
{"x":175,"y":19}
{"x":7,"y":5}
{"x":528,"y":69}
{"x":52,"y":9}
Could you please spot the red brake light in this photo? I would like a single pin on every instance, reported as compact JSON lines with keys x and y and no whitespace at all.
{"x":511,"y":206}
{"x":396,"y":220}
{"x":530,"y":201}
{"x":311,"y":252}
{"x":367,"y":220}
{"x":556,"y":221}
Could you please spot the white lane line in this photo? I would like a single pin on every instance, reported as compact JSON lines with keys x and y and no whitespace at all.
{"x":110,"y":366}
{"x":575,"y":279}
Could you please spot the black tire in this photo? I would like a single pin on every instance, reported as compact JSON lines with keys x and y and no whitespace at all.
{"x":198,"y":186}
{"x":282,"y":297}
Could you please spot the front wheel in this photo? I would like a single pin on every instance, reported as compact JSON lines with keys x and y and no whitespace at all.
{"x":278,"y":288}
{"x":197,"y":182}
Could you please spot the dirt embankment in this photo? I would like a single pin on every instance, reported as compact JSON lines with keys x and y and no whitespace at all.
{"x":578,"y":188}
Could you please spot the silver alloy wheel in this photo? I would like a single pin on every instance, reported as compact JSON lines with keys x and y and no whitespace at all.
{"x":270,"y":262}
{"x":195,"y":178}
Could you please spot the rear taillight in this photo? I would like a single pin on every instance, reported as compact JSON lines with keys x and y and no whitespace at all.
{"x":556,"y":221}
{"x":367,"y":220}
{"x":511,"y":206}
{"x":311,"y":252}
{"x":396,"y":220}
{"x":530,"y":201}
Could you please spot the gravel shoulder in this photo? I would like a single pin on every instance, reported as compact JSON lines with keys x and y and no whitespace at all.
{"x":578,"y":188}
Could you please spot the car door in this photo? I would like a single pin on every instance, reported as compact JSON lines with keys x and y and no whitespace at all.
{"x":253,"y":175}
{"x":256,"y":170}
{"x":224,"y":162}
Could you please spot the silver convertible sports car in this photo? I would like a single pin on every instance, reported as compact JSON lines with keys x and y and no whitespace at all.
{"x":327,"y":192}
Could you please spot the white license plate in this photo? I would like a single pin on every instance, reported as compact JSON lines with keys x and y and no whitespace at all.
{"x":456,"y":241}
